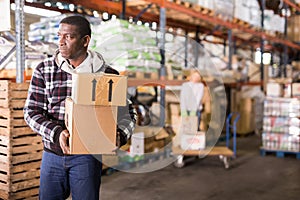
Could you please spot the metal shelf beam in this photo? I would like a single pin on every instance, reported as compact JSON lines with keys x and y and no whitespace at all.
{"x":293,"y":5}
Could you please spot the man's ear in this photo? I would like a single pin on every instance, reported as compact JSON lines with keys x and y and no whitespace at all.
{"x":86,"y":40}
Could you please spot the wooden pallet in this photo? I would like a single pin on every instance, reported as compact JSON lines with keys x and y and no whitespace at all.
{"x":194,"y":6}
{"x":11,"y":74}
{"x":215,"y":151}
{"x":13,"y":95}
{"x":279,"y":153}
{"x":241,"y":22}
{"x":20,"y":148}
{"x":183,"y":3}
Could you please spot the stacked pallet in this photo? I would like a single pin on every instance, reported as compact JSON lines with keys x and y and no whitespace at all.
{"x":20,"y":148}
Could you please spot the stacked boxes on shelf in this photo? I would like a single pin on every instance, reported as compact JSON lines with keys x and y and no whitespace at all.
{"x":20,"y":148}
{"x":293,"y":28}
{"x":128,"y":47}
{"x":175,"y":55}
{"x":281,"y":124}
{"x":46,"y":29}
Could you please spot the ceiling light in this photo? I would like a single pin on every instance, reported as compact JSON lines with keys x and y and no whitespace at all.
{"x":95,"y":13}
{"x":154,"y":25}
{"x":48,"y":4}
{"x":37,"y":11}
{"x":58,"y":4}
{"x":113,"y":17}
{"x":105,"y":16}
{"x":71,"y":7}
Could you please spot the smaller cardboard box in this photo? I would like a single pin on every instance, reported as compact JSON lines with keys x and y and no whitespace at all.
{"x":189,"y":125}
{"x":274,"y":89}
{"x":92,"y":128}
{"x":296,"y":90}
{"x":137,"y":144}
{"x":99,"y":89}
{"x":193,"y":141}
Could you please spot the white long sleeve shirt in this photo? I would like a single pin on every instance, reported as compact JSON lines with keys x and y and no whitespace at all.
{"x":191,"y":95}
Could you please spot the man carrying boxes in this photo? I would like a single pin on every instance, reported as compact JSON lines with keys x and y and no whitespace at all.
{"x":85,"y":124}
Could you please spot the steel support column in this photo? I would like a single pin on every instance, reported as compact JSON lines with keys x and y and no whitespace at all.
{"x":262,"y":49}
{"x":162,"y":40}
{"x":224,"y":49}
{"x":285,"y":53}
{"x":186,"y":43}
{"x":123,"y":13}
{"x":230,"y":46}
{"x":197,"y":47}
{"x":20,"y":40}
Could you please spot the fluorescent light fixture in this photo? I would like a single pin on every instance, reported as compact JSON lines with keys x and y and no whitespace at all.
{"x":105,"y":15}
{"x":48,"y":4}
{"x":113,"y":17}
{"x":71,"y":7}
{"x":266,"y":58}
{"x":37,"y":11}
{"x":95,"y":13}
{"x":154,"y":25}
{"x":58,"y":4}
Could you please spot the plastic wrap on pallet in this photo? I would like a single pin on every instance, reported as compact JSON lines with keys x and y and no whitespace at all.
{"x":282,"y":125}
{"x":275,"y":141}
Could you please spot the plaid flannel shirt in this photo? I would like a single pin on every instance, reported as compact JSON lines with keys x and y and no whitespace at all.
{"x":44,"y":109}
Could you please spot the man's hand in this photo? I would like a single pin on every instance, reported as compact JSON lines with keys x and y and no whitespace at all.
{"x":63,"y":141}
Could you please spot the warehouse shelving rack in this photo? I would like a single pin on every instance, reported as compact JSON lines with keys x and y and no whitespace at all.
{"x":190,"y":17}
{"x":177,"y":14}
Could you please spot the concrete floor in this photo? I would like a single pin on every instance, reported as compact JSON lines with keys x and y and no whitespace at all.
{"x":250,"y":177}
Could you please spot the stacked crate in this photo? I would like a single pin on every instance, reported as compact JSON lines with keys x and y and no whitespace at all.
{"x":20,"y":148}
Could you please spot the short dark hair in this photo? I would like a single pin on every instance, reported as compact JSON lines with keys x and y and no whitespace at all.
{"x":83,"y":25}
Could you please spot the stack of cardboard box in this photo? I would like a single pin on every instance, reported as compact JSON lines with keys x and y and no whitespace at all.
{"x":91,"y":112}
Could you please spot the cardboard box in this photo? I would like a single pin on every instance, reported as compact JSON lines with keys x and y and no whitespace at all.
{"x":99,"y":89}
{"x":189,"y":125}
{"x":137,"y":144}
{"x":274,"y":89}
{"x":296,"y":89}
{"x":92,"y":128}
{"x":193,"y":141}
{"x":152,"y":137}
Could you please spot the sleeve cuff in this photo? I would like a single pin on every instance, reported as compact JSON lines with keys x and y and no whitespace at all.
{"x":57,"y":132}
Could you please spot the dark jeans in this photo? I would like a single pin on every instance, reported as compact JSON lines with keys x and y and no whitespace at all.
{"x":79,"y":175}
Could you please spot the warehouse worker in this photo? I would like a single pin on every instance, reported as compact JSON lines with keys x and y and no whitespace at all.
{"x":62,"y":174}
{"x":191,"y":96}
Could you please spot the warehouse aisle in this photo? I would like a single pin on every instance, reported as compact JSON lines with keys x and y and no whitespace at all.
{"x":250,"y":177}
